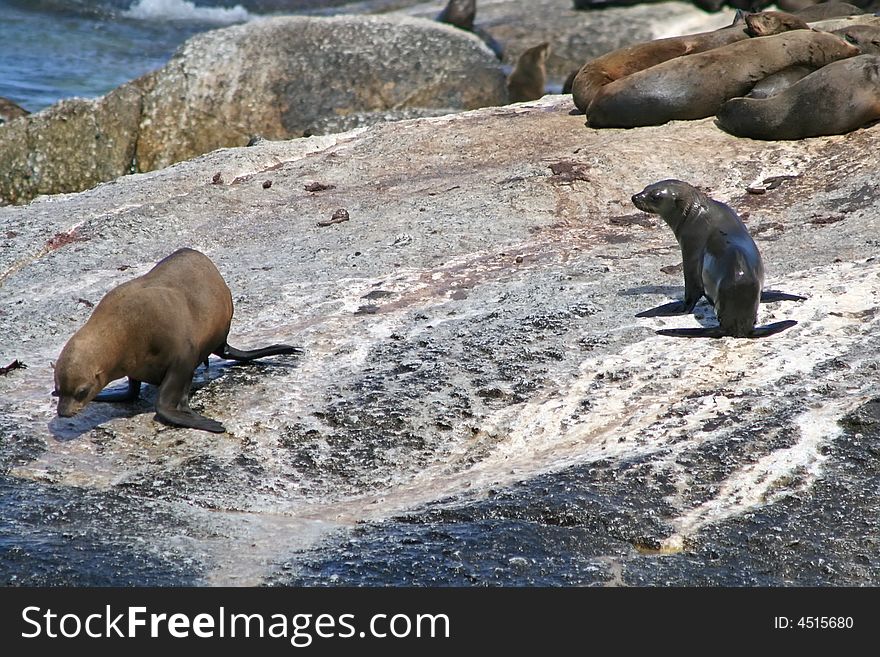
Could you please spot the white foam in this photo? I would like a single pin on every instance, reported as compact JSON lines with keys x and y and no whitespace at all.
{"x":183,"y":10}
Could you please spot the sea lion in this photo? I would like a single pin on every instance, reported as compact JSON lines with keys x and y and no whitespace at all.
{"x":10,"y":110}
{"x":156,"y":328}
{"x":721,"y":262}
{"x":779,"y":81}
{"x":826,"y":10}
{"x":620,"y":63}
{"x":836,"y":99}
{"x":460,"y":13}
{"x":695,"y":86}
{"x":528,"y":78}
{"x":865,"y":37}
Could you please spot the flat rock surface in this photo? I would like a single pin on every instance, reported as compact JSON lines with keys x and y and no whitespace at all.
{"x":477,"y":402}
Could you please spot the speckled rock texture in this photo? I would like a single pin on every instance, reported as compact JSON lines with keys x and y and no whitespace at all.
{"x":477,"y":403}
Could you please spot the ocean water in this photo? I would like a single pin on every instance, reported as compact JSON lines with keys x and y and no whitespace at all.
{"x":55,"y":49}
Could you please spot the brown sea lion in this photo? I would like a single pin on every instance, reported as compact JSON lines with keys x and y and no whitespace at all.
{"x":779,"y":81}
{"x":10,"y":110}
{"x":156,"y":328}
{"x":623,"y":62}
{"x":529,"y":76}
{"x":695,"y":86}
{"x":720,"y":259}
{"x":838,"y":98}
{"x":826,"y":10}
{"x":866,"y":37}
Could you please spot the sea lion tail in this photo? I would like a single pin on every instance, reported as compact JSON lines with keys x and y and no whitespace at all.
{"x":231,"y":353}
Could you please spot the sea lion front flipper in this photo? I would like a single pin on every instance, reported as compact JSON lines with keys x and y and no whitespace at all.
{"x":666,"y":310}
{"x":172,"y":405}
{"x":130,"y":394}
{"x":190,"y":419}
{"x":768,"y":296}
{"x":231,"y":353}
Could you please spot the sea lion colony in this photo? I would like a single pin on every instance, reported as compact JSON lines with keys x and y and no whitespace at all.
{"x":771,"y":56}
{"x":692,"y":77}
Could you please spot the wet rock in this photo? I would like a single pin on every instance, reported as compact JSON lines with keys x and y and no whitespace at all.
{"x":476,"y":390}
{"x":278,"y":78}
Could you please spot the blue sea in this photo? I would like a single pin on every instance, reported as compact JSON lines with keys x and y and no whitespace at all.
{"x":55,"y":49}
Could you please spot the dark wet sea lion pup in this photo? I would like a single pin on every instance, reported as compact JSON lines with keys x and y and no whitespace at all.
{"x":156,"y":328}
{"x":720,"y":259}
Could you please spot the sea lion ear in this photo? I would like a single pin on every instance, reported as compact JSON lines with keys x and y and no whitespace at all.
{"x":681,"y":204}
{"x":52,"y":364}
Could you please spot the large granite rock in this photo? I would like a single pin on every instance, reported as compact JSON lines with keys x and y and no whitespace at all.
{"x":276,"y":78}
{"x":477,"y":402}
{"x":279,"y":77}
{"x":71,"y":146}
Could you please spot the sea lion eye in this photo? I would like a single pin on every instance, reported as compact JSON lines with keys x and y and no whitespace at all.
{"x":656,"y":195}
{"x":851,"y":39}
{"x":81,"y":394}
{"x":54,"y":393}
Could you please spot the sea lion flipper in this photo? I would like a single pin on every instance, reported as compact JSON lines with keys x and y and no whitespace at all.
{"x":771,"y":329}
{"x":768,"y":296}
{"x":703,"y":332}
{"x":231,"y":353}
{"x":718,"y":332}
{"x":666,"y":310}
{"x":131,"y":393}
{"x":190,"y":419}
{"x":172,"y":405}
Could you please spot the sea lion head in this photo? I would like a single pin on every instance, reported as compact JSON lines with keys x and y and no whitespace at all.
{"x":663,"y":197}
{"x":536,"y":55}
{"x":460,"y":13}
{"x":78,"y":378}
{"x":865,"y":37}
{"x":767,"y":23}
{"x":674,"y":200}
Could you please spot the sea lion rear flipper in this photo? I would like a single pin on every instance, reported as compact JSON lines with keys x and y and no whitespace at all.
{"x":718,"y":332}
{"x":666,"y":310}
{"x":703,"y":332}
{"x":768,"y":296}
{"x":231,"y":353}
{"x":771,"y":329}
{"x":130,"y":394}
